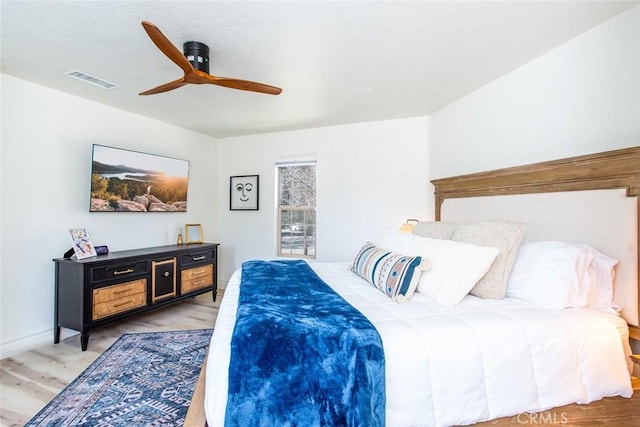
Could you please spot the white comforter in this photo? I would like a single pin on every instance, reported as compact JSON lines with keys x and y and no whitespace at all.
{"x":479,"y":360}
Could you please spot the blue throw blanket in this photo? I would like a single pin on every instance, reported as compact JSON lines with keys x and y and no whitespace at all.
{"x":300,"y":354}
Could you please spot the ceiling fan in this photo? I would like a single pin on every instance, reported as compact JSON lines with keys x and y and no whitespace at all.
{"x":195,"y":64}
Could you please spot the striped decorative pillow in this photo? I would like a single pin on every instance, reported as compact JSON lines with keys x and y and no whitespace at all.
{"x":395,"y":275}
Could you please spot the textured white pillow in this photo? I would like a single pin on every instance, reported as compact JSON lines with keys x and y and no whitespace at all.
{"x":506,"y":236}
{"x":455,"y":266}
{"x":562,"y":274}
{"x":434,"y":229}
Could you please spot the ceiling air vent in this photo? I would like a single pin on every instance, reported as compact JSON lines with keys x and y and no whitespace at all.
{"x":91,"y":79}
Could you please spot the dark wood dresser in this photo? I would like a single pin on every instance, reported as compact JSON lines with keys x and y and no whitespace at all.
{"x":94,"y":291}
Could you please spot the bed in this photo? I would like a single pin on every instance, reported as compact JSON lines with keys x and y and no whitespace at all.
{"x":453,"y":357}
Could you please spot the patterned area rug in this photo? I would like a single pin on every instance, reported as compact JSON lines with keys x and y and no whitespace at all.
{"x":142,"y":379}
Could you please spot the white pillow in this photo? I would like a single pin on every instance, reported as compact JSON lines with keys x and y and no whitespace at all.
{"x":602,"y":273}
{"x":455,"y":266}
{"x":561,"y":275}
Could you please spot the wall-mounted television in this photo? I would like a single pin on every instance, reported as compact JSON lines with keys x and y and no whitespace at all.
{"x":131,"y":181}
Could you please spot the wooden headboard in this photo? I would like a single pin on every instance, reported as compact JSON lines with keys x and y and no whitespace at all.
{"x":618,"y":169}
{"x":607,"y":170}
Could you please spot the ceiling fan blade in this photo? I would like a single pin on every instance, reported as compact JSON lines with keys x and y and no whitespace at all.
{"x":165,"y":87}
{"x":168,"y":48}
{"x":199,"y":75}
{"x":243,"y":85}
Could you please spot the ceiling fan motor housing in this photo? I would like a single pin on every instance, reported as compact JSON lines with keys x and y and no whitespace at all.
{"x":197,"y":54}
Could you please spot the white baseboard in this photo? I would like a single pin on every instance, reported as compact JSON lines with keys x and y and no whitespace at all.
{"x":13,"y":347}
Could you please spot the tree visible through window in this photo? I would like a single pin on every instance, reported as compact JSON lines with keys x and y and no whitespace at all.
{"x":297,"y":210}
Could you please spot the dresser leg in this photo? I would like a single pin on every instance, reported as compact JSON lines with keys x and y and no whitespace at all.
{"x":56,"y":334}
{"x":84,"y":340}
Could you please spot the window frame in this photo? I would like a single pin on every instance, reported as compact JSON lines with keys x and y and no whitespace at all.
{"x":280,"y":208}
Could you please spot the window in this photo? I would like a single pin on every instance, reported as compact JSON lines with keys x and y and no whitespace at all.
{"x":297,"y":209}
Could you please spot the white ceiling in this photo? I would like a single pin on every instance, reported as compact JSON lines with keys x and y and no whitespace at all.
{"x":336,"y":61}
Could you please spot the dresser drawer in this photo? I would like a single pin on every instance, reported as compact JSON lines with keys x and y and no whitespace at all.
{"x":120,"y":271}
{"x":115,"y":299}
{"x":110,"y":293}
{"x":197,"y":257}
{"x":195,"y":278}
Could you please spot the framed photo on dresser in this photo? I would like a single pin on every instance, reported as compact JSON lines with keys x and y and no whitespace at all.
{"x":82,"y":245}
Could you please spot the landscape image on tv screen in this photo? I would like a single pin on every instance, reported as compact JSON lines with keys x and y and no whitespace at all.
{"x":130,"y":181}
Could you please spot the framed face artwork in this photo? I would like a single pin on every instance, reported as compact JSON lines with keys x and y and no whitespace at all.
{"x":244,"y":193}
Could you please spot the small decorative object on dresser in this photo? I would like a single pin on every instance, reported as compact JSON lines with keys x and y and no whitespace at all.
{"x":102,"y":250}
{"x":92,"y":292}
{"x":244,"y":193}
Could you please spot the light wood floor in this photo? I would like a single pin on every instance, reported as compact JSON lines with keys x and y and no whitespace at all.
{"x":31,"y":379}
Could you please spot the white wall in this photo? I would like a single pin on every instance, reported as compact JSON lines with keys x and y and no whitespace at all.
{"x":47,"y":138}
{"x":582,"y":97}
{"x":370,"y":176}
{"x":380,"y":167}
